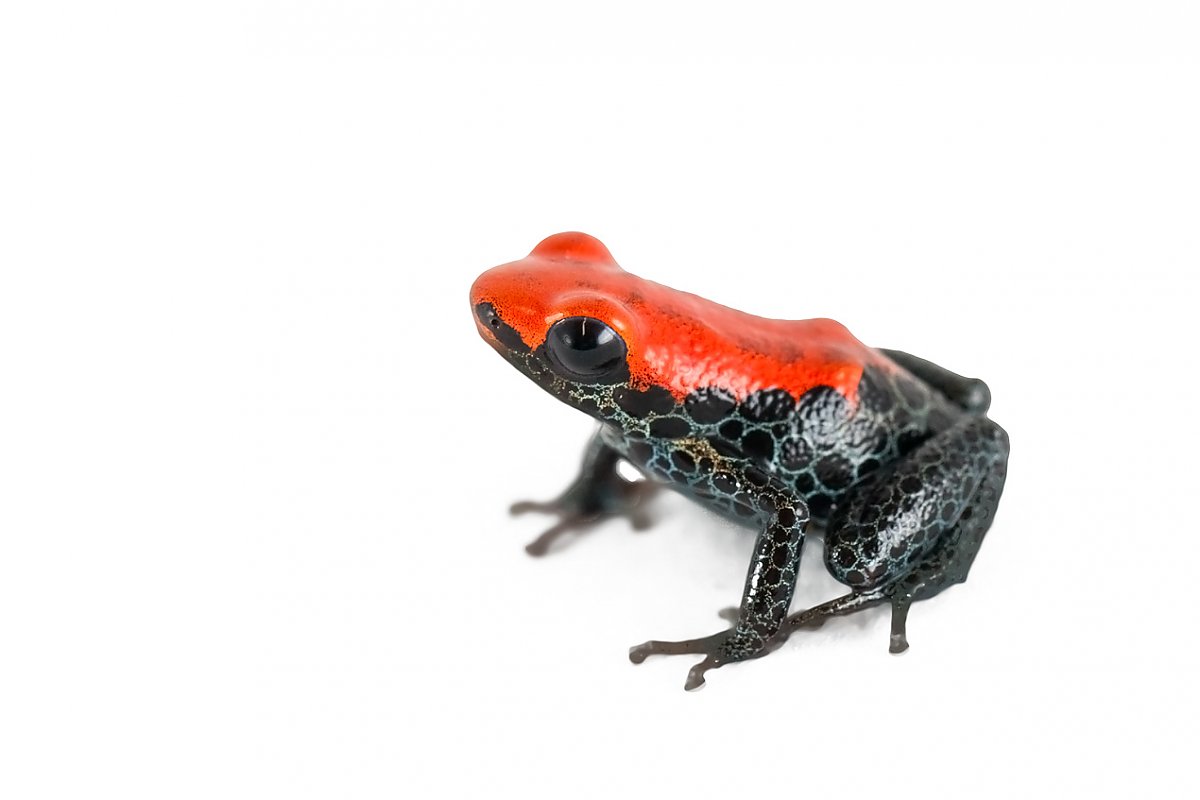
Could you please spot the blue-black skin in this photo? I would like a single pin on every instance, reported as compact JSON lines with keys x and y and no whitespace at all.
{"x":905,"y":483}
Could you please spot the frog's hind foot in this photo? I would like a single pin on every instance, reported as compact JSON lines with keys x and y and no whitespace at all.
{"x":944,"y":495}
{"x":816,"y":616}
{"x":898,"y":641}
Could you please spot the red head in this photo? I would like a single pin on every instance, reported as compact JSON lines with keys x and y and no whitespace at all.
{"x":672,"y":339}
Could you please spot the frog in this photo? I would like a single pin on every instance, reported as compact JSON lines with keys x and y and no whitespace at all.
{"x":785,"y":427}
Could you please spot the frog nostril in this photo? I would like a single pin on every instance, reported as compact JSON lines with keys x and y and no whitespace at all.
{"x":487,"y":319}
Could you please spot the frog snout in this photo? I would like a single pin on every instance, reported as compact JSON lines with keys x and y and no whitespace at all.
{"x":496,"y":331}
{"x":488,"y":322}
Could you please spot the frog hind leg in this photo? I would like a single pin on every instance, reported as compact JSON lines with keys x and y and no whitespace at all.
{"x":970,"y":394}
{"x":597,"y":493}
{"x":916,"y":529}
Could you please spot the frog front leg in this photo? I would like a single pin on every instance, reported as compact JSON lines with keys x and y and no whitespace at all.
{"x":597,"y":493}
{"x":770,"y":581}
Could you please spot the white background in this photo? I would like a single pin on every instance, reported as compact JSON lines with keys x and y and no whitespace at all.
{"x":255,"y":461}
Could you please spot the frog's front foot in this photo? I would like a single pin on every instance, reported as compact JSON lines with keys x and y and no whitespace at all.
{"x":579,"y":511}
{"x":711,"y":647}
{"x":719,"y":649}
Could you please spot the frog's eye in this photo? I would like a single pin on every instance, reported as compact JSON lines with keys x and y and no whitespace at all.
{"x":583,"y":348}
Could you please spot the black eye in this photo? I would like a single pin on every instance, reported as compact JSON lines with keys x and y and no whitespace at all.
{"x":585,"y":348}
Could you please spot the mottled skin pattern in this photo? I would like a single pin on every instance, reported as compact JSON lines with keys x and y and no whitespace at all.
{"x":904,"y":472}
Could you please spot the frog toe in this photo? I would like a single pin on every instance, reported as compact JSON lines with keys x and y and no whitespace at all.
{"x":568,"y":524}
{"x":578,"y":512}
{"x":640,"y":519}
{"x":705,"y":645}
{"x":695,"y":677}
{"x":525,"y":506}
{"x":898,"y":641}
{"x":713,"y":648}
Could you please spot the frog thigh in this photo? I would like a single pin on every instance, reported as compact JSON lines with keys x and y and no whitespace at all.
{"x":916,"y":528}
{"x":970,"y":394}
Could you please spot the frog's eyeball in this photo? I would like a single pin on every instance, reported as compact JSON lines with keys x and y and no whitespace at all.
{"x":585,"y":349}
{"x":574,"y":246}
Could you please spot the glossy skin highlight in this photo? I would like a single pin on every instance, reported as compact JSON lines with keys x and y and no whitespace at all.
{"x":775,"y":424}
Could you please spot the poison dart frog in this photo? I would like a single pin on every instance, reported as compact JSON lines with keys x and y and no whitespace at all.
{"x":779,"y":425}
